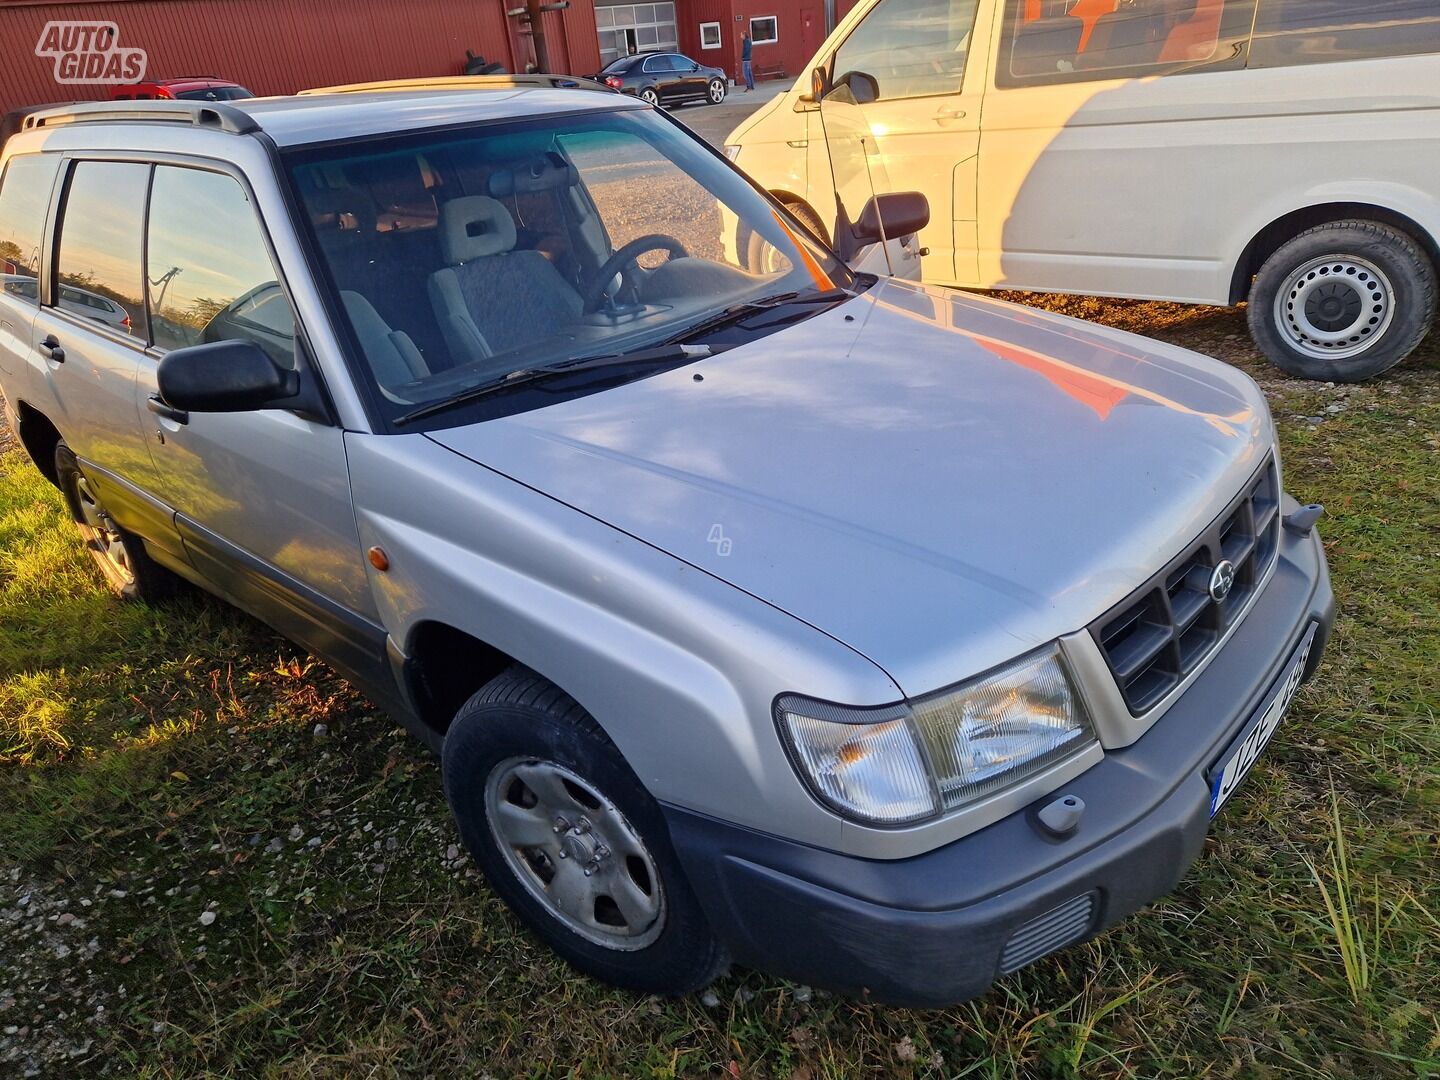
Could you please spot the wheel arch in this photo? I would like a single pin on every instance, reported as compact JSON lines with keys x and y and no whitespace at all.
{"x":444,"y":666}
{"x":1288,"y":226}
{"x":39,"y":437}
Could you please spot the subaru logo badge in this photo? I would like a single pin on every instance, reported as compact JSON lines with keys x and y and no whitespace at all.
{"x":1222,"y":580}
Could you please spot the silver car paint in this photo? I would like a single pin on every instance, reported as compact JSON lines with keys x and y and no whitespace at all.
{"x":543,"y":543}
{"x":939,"y":504}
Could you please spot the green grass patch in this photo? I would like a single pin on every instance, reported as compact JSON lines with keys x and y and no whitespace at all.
{"x":162,"y":766}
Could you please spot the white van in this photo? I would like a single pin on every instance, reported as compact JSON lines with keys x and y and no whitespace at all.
{"x":1285,"y":152}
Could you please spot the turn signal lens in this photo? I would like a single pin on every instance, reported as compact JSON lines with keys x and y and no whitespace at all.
{"x":732,"y":151}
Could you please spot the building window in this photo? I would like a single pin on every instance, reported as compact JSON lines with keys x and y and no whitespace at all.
{"x":624,"y":29}
{"x":764,"y":30}
{"x":709,"y":35}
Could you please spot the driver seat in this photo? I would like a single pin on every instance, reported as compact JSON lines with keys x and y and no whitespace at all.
{"x":490,"y":298}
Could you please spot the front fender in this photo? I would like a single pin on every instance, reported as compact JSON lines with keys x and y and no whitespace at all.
{"x":677,"y":666}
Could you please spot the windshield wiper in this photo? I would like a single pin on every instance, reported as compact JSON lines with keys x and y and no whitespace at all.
{"x":664,"y":353}
{"x":737,"y":313}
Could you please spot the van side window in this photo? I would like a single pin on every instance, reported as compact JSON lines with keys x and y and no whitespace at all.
{"x":912,"y":48}
{"x":1289,"y":32}
{"x":210,"y":276}
{"x":1049,"y":41}
{"x":99,"y":253}
{"x":24,"y":202}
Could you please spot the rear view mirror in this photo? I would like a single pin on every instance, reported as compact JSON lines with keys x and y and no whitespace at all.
{"x":224,"y":376}
{"x":891,"y":216}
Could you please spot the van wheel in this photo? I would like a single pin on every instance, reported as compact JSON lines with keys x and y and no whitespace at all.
{"x":570,"y":839}
{"x":128,"y":569}
{"x":1343,"y":302}
{"x":802,"y":213}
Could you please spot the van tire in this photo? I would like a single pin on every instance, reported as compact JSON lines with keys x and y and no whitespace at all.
{"x":120,"y":555}
{"x":520,"y":722}
{"x":1376,"y":280}
{"x":802,"y":213}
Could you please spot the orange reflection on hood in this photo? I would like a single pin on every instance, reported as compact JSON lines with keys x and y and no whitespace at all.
{"x":1096,"y":391}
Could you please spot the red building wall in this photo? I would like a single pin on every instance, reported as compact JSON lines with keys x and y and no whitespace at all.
{"x":801,"y":28}
{"x":280,"y":46}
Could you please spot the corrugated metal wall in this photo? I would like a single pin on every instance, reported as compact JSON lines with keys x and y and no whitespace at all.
{"x":280,"y":46}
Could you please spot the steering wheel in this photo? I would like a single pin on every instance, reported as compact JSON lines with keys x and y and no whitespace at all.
{"x":595,"y":292}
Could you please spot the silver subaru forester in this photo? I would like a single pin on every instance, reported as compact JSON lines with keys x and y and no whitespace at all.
{"x":760,"y":608}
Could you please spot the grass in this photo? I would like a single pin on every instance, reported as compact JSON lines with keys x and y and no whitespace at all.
{"x":156,"y":765}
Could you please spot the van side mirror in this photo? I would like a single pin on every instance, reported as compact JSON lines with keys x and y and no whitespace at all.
{"x":856,"y":88}
{"x":891,"y":216}
{"x":225,"y":376}
{"x":819,"y":83}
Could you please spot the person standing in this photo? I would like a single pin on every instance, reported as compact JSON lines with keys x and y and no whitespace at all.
{"x":745,"y":64}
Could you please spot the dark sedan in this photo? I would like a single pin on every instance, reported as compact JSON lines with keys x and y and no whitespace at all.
{"x":665,"y":79}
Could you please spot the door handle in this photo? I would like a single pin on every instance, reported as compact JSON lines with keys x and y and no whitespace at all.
{"x":949,"y":112}
{"x":159,"y":408}
{"x":51,"y":350}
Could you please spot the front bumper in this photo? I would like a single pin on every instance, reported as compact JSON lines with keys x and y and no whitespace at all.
{"x":941,"y":927}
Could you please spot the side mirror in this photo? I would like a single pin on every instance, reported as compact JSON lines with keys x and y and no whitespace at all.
{"x":224,"y":376}
{"x":819,"y":83}
{"x":857,"y":88}
{"x":891,"y":216}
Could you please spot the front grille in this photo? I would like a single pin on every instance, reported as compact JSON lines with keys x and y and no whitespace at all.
{"x":1044,"y":934}
{"x":1166,"y":629}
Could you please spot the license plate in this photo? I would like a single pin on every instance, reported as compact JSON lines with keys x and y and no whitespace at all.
{"x":1228,"y":776}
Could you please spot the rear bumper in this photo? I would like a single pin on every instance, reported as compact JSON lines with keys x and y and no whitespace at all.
{"x":941,"y":927}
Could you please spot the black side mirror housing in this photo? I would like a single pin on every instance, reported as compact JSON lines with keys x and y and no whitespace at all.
{"x":892,"y":215}
{"x":856,"y":88}
{"x":225,"y":376}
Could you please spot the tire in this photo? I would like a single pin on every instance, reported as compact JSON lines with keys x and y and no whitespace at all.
{"x":650,"y":97}
{"x":811,"y":220}
{"x":1343,"y":302}
{"x":126,"y":566}
{"x":521,"y":760}
{"x":715,"y":92}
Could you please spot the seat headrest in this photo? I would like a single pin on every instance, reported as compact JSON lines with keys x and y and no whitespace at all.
{"x":474,"y":226}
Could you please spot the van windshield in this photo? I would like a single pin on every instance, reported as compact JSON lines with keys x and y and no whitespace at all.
{"x":462,"y":257}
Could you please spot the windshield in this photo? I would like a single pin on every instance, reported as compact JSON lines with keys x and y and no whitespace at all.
{"x":465,"y":257}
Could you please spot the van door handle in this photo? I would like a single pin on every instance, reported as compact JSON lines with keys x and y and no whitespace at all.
{"x":159,"y":408}
{"x":51,"y":350}
{"x":949,"y":112}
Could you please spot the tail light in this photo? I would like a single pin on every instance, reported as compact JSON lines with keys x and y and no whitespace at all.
{"x":125,"y":322}
{"x":613,"y":82}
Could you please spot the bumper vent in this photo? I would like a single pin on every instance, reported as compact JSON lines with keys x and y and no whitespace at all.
{"x":1162,"y":633}
{"x":1055,"y":929}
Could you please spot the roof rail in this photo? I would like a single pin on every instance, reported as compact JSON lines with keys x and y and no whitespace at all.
{"x":463,"y":82}
{"x":208,"y":114}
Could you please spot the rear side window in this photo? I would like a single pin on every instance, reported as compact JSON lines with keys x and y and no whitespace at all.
{"x":100,"y":244}
{"x":1289,"y":32}
{"x":912,"y":48}
{"x":24,"y":202}
{"x":209,"y":270}
{"x":1053,"y":41}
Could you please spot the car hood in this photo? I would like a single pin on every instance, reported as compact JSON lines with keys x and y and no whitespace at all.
{"x":939,"y":480}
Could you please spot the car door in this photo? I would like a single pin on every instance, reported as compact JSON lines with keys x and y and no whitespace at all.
{"x":25,"y":193}
{"x":925,"y":117}
{"x":659,"y":71}
{"x":91,"y":357}
{"x":692,"y":81}
{"x":262,"y":498}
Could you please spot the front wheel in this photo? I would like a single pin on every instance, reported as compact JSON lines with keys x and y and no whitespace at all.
{"x":1343,"y":302}
{"x":649,"y":96}
{"x":716,"y":92}
{"x":569,"y":838}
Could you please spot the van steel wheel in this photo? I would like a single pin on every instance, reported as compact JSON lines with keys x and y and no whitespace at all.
{"x":1343,"y":302}
{"x":128,"y":569}
{"x":717,"y":92}
{"x":570,"y":839}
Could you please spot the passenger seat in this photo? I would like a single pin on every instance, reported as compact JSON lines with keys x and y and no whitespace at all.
{"x":492,"y":298}
{"x":392,"y":356}
{"x":1049,"y":43}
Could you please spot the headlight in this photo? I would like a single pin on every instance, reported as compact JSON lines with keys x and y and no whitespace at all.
{"x":906,"y":762}
{"x":732,"y":151}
